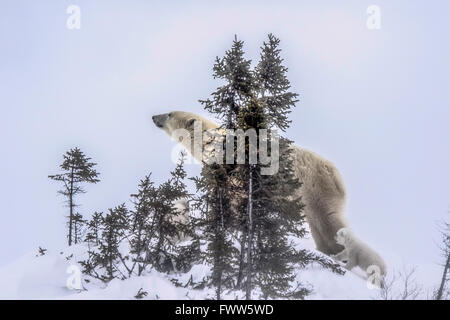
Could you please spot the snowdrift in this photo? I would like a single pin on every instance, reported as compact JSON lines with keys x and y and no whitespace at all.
{"x":45,"y":276}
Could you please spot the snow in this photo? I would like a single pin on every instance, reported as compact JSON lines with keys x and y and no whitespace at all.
{"x":37,"y":276}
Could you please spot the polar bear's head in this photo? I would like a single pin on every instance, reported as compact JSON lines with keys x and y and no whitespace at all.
{"x":343,"y":236}
{"x":195,"y":133}
{"x":178,"y":125}
{"x":204,"y":139}
{"x":175,"y":120}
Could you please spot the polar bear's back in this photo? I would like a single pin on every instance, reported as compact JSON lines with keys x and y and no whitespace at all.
{"x":321,"y":180}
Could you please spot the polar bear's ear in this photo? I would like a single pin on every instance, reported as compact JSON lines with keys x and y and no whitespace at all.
{"x":190,"y":123}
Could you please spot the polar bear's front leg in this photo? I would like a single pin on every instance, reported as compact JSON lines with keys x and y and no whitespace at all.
{"x":351,"y":263}
{"x":341,"y":256}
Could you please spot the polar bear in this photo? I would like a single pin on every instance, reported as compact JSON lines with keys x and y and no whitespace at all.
{"x":322,"y":189}
{"x":358,"y":254}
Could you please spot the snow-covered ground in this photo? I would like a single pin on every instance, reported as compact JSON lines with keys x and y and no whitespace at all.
{"x":45,"y":276}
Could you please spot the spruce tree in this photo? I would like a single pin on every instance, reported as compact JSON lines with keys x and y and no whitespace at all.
{"x":114,"y":226}
{"x":267,"y":207}
{"x":271,"y":199}
{"x":151,"y":232}
{"x":78,"y":223}
{"x":234,"y":69}
{"x":273,"y":85}
{"x":142,"y":222}
{"x":77,"y":169}
{"x":216,"y":225}
{"x":226,"y":104}
{"x":93,"y":228}
{"x":166,"y":229}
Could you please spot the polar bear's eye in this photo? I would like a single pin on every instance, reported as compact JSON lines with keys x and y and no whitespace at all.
{"x":170,"y":114}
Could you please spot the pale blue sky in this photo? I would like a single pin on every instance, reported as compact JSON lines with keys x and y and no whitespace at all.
{"x":375,"y":102}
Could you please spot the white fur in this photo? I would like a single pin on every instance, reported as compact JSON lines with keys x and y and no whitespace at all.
{"x":358,"y":254}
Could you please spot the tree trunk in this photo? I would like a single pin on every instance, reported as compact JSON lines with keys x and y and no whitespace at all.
{"x":241,"y":262}
{"x":110,"y":253}
{"x":219,"y":290}
{"x":96,"y":235}
{"x":70,"y":207}
{"x":219,"y":271}
{"x":444,"y":278}
{"x":140,"y":249}
{"x":248,"y":289}
{"x":75,"y":231}
{"x":221,"y":235}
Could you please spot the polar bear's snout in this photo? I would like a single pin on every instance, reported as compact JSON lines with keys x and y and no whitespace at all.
{"x":160,"y":119}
